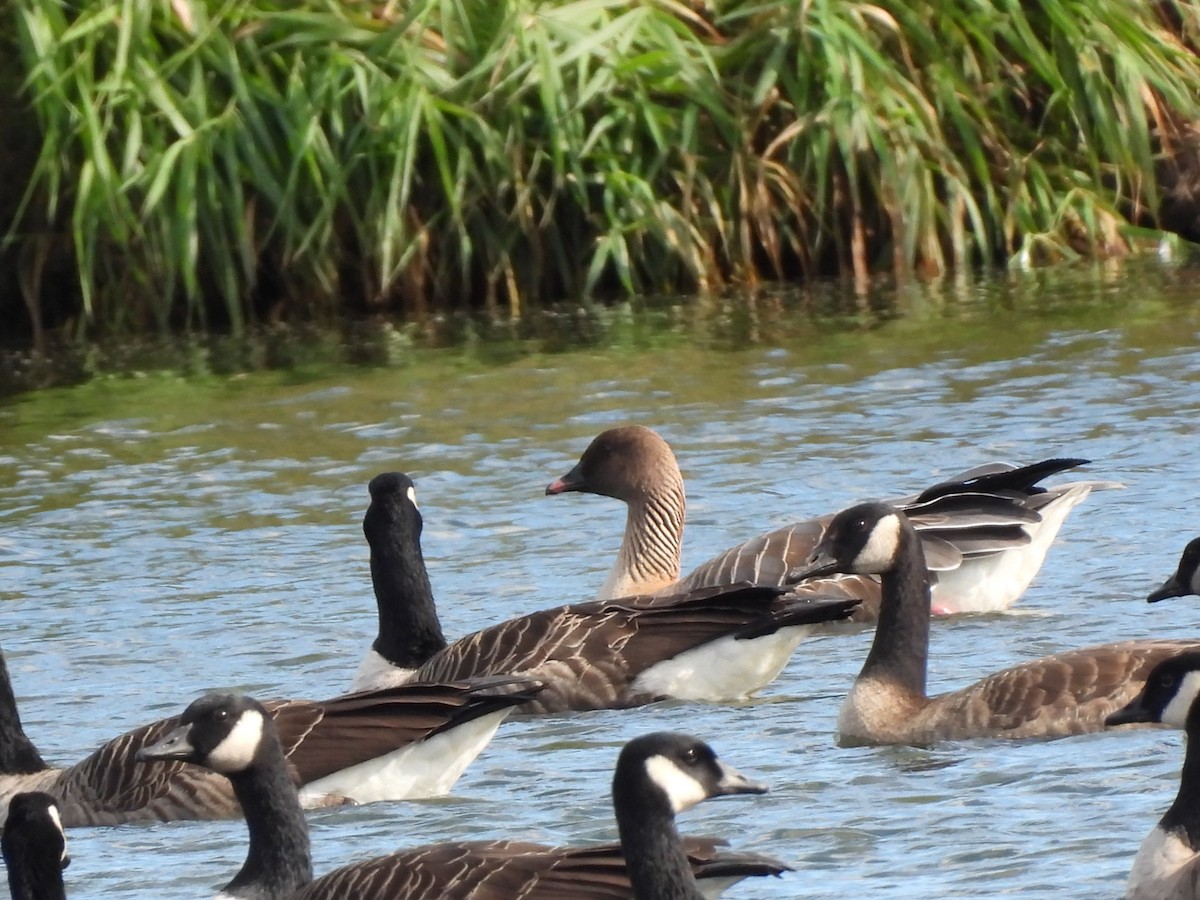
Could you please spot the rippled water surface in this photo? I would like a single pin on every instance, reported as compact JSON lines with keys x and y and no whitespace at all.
{"x":160,"y":538}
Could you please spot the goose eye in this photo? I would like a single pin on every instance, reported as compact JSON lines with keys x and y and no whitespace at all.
{"x":690,"y":756}
{"x":1166,"y":680}
{"x":221,"y":715}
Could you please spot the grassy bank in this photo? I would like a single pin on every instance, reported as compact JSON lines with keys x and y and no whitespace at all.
{"x":203,"y":165}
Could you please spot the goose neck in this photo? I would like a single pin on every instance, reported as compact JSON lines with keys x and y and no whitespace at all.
{"x":654,"y":856}
{"x":279,"y":860}
{"x":1183,"y":816}
{"x":651,"y":548}
{"x":900,"y":650}
{"x":18,"y":755}
{"x":37,"y":876}
{"x":409,"y":629}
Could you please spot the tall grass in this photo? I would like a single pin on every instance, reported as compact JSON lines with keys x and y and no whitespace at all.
{"x":208,"y":164}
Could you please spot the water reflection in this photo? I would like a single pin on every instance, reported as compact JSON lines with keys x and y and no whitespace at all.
{"x":164,"y":536}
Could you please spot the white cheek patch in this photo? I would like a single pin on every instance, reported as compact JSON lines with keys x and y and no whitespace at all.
{"x":52,"y":812}
{"x":411,"y":493}
{"x":236,"y":752}
{"x":880,"y":550}
{"x":1176,"y":712}
{"x":1194,"y":583}
{"x":682,"y":790}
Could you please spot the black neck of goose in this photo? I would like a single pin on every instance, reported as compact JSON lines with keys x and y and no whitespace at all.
{"x":33,"y":874}
{"x":1184,"y":815}
{"x":279,"y":861}
{"x":409,"y":630}
{"x":900,"y":650}
{"x":18,"y":756}
{"x":654,"y":857}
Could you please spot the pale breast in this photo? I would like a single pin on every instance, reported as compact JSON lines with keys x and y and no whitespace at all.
{"x":1165,"y":868}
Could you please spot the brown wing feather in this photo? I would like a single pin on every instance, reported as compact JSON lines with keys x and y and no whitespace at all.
{"x":109,"y":787}
{"x":974,"y":520}
{"x":1067,"y":693}
{"x":320,"y":738}
{"x":512,"y":870}
{"x":590,"y":653}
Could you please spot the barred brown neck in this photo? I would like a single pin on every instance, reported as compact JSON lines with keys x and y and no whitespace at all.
{"x":650,"y":551}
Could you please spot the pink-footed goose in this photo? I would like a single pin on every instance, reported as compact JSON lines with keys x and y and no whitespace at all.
{"x":983,"y":559}
{"x":1063,"y":694}
{"x":715,"y":644}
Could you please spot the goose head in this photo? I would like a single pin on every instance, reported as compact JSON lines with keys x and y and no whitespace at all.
{"x":1168,"y":697}
{"x":393,"y":509}
{"x":222,"y":732}
{"x":628,"y":463}
{"x":1186,"y":579}
{"x":34,"y":829}
{"x":676,"y":770}
{"x":863,"y":540}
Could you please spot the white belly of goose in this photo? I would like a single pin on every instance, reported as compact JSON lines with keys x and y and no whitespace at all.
{"x":994,"y":583}
{"x":724,"y":669}
{"x":1164,"y":869}
{"x":712,"y":888}
{"x":426,"y":768}
{"x":375,"y":673}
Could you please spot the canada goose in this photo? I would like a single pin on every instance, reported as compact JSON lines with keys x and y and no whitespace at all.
{"x":1186,"y":579}
{"x":410,"y":741}
{"x":35,"y":848}
{"x":991,"y":562}
{"x":657,"y":776}
{"x":1167,"y":865}
{"x":1067,"y":693}
{"x":707,"y":644}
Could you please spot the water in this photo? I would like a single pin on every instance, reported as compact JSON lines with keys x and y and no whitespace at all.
{"x":159,"y":539}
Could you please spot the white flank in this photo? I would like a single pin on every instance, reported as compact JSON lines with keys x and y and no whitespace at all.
{"x":427,"y":768}
{"x":52,"y":811}
{"x":375,"y":673}
{"x":1176,"y":712}
{"x":712,"y":888}
{"x":237,"y":750}
{"x":724,"y":669}
{"x":682,"y":790}
{"x":995,"y":582}
{"x":880,"y":550}
{"x":1162,"y":868}
{"x":411,"y":493}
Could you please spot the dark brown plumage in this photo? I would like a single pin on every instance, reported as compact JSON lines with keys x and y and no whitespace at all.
{"x":591,"y":654}
{"x":656,"y":776}
{"x":520,"y":870}
{"x":714,"y":643}
{"x":320,"y":738}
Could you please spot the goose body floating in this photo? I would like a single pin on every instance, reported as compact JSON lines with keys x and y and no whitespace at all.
{"x":401,"y":743}
{"x":656,"y":777}
{"x":715,"y":643}
{"x":1167,"y":865}
{"x":1063,"y":694}
{"x":983,"y":559}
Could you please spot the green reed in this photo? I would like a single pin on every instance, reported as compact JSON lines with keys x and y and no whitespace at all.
{"x":201,"y":165}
